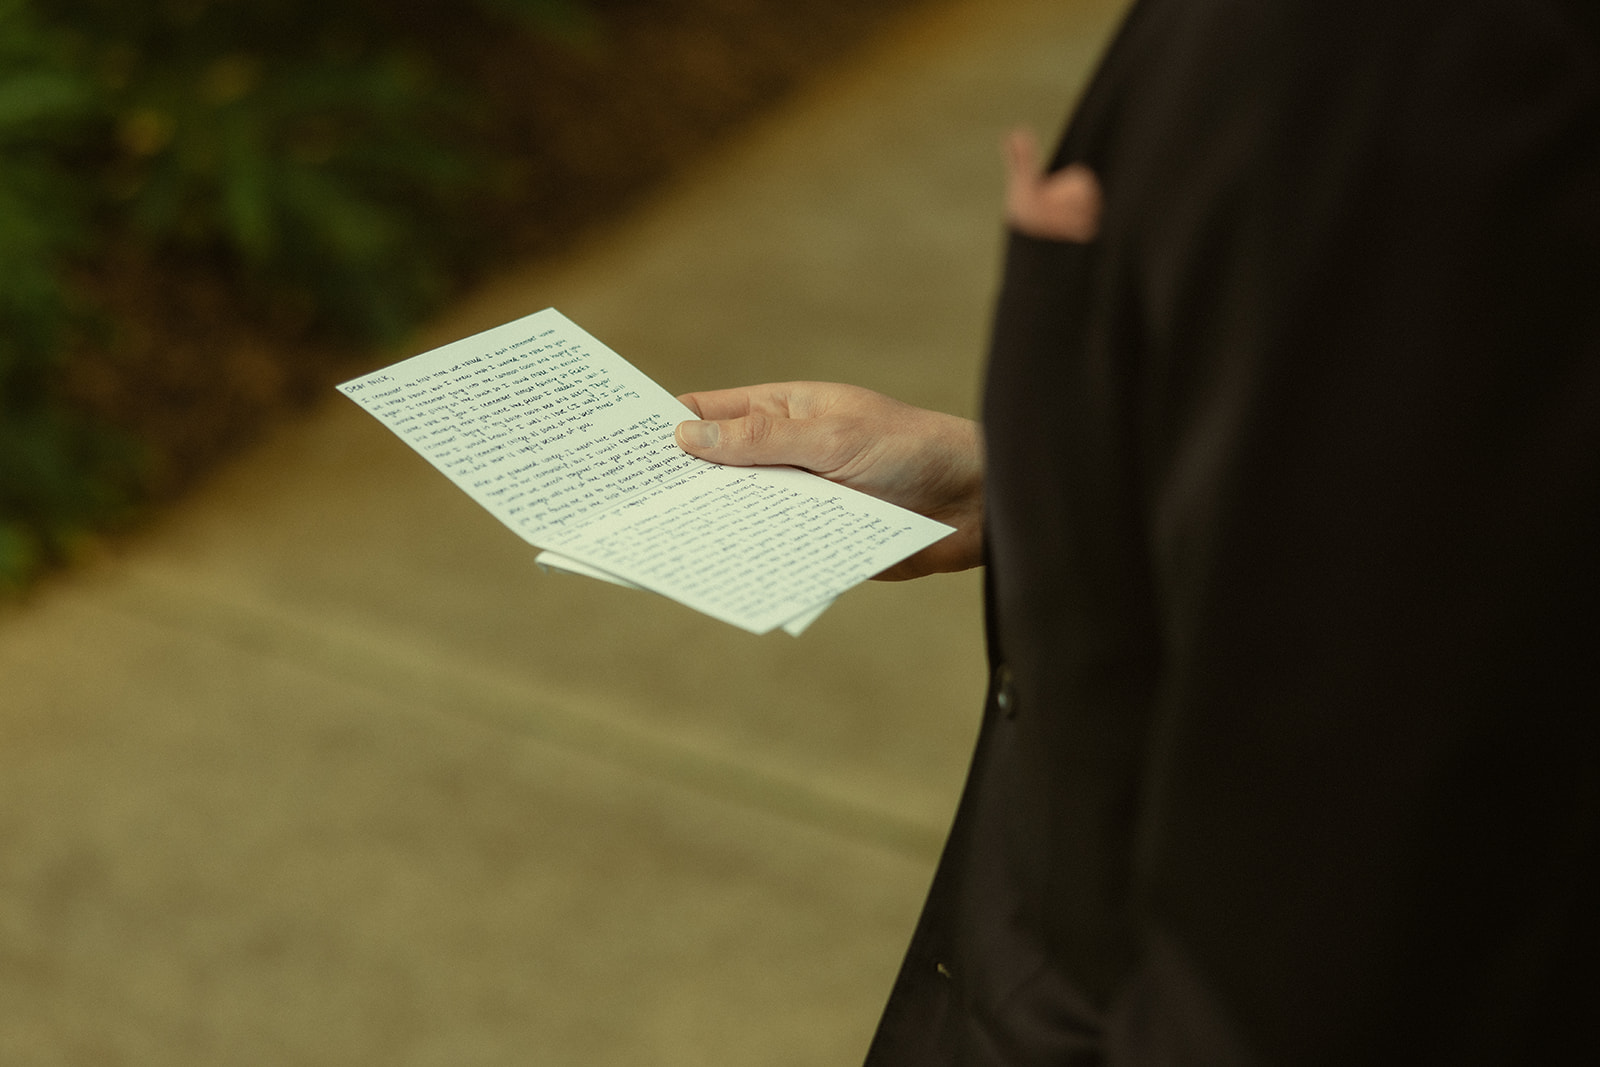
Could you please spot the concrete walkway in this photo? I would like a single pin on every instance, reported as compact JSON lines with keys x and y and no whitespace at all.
{"x":321,"y":770}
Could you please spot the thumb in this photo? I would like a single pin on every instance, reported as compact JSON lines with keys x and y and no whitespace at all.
{"x":1022,"y":156}
{"x":753,"y":440}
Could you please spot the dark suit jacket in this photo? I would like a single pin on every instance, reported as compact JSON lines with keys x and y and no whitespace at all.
{"x":1294,"y":512}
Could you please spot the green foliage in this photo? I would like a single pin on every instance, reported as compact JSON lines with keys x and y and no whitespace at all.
{"x":307,"y":152}
{"x":296,"y":144}
{"x":41,"y":211}
{"x":60,"y":477}
{"x":58,"y":473}
{"x":566,"y":19}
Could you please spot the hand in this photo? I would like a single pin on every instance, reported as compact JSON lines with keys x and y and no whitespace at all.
{"x":925,"y":461}
{"x":1063,"y":206}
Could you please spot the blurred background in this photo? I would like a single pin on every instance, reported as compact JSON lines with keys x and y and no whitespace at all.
{"x":302,"y":761}
{"x":207,"y":205}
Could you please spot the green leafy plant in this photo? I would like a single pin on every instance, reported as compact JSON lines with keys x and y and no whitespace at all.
{"x":566,"y":19}
{"x":59,"y":473}
{"x":293,"y":147}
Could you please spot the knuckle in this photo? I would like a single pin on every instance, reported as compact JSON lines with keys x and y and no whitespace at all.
{"x":753,"y":431}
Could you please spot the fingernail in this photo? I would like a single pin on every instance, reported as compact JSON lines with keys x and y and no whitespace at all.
{"x":699,"y":434}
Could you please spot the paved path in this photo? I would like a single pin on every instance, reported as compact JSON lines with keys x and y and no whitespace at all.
{"x":321,"y":770}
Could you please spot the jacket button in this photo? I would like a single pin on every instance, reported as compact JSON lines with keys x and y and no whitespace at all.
{"x":1005,"y":695}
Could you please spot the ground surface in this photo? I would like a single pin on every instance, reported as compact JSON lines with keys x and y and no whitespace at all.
{"x":319,"y":771}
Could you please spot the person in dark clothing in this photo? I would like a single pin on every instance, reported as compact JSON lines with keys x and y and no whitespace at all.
{"x":1288,"y":486}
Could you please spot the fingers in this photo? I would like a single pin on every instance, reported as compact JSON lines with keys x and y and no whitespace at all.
{"x":923,"y":460}
{"x":772,"y":424}
{"x":1063,"y":206}
{"x":772,"y":399}
{"x":1073,"y":195}
{"x":757,"y":439}
{"x":1022,"y":173}
{"x":726,"y":431}
{"x":1022,"y":160}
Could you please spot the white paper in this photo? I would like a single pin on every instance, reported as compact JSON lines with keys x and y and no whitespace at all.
{"x":550,"y":561}
{"x":572,"y":447}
